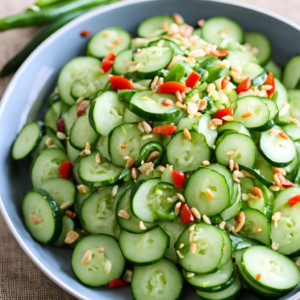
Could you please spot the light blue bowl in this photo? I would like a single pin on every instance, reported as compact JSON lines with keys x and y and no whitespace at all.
{"x":36,"y":78}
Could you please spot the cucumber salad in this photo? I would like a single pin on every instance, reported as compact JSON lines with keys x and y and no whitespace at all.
{"x":171,"y":160}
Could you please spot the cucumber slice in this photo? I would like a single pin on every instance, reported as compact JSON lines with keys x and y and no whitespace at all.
{"x":294,"y":96}
{"x":106,"y":112}
{"x":130,"y":117}
{"x":41,"y":216}
{"x":195,"y":191}
{"x":291,"y":75}
{"x":54,"y":113}
{"x":274,"y":113}
{"x":278,"y":273}
{"x":187,"y":155}
{"x":237,"y":126}
{"x":70,"y":116}
{"x":144,"y":248}
{"x":282,"y":100}
{"x":126,"y":95}
{"x":258,"y":121}
{"x":28,"y":139}
{"x":261,"y":42}
{"x":292,"y":130}
{"x":67,"y":225}
{"x":254,"y":217}
{"x":272,"y":67}
{"x":46,"y":165}
{"x":213,"y":28}
{"x":72,"y":153}
{"x":216,"y":281}
{"x":153,"y":25}
{"x":202,"y":126}
{"x":241,"y":144}
{"x":159,"y":281}
{"x":186,"y":123}
{"x":110,"y":39}
{"x":62,"y":190}
{"x":209,"y":243}
{"x":102,"y":146}
{"x":81,"y":77}
{"x":227,"y":247}
{"x":153,"y":109}
{"x":120,"y":61}
{"x":98,"y":213}
{"x":79,"y":199}
{"x":276,"y":150}
{"x":97,"y":272}
{"x":82,"y":132}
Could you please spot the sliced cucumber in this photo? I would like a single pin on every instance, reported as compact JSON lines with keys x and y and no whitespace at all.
{"x":130,"y":117}
{"x":272,"y":67}
{"x":274,"y":113}
{"x":294,"y":97}
{"x":67,"y":225}
{"x":237,"y":126}
{"x":70,"y":116}
{"x":54,"y":113}
{"x":102,"y":146}
{"x":291,"y":75}
{"x":227,"y":250}
{"x":72,"y":152}
{"x":202,"y":126}
{"x":119,"y":66}
{"x":282,"y":100}
{"x":126,"y":95}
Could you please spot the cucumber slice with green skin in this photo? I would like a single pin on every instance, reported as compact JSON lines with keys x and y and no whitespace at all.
{"x":78,"y":201}
{"x":266,"y":173}
{"x":293,"y":168}
{"x":126,"y":95}
{"x":278,"y":273}
{"x":75,"y":170}
{"x":256,"y":289}
{"x":241,"y":144}
{"x":216,"y":281}
{"x":166,"y":176}
{"x":100,"y":274}
{"x":53,"y":114}
{"x":177,"y":72}
{"x":106,"y":112}
{"x":120,"y":61}
{"x":294,"y":97}
{"x":258,"y":121}
{"x":100,"y":203}
{"x":239,"y":242}
{"x":54,"y":97}
{"x":129,"y":134}
{"x":99,"y":44}
{"x":62,"y":190}
{"x":147,"y":149}
{"x":237,"y":126}
{"x":187,"y":155}
{"x":230,"y":212}
{"x":287,"y":233}
{"x":159,"y":281}
{"x":254,"y":217}
{"x":192,"y":96}
{"x":81,"y":77}
{"x":153,"y":59}
{"x":195,"y":191}
{"x":173,"y":230}
{"x":282,"y":100}
{"x":153,"y":109}
{"x":227,"y":250}
{"x":70,"y":116}
{"x":272,"y":67}
{"x":67,"y":225}
{"x":277,"y":151}
{"x":102,"y":146}
{"x":262,"y":43}
{"x":223,"y":134}
{"x":72,"y":153}
{"x":274,"y":113}
{"x":28,"y":139}
{"x":153,"y":24}
{"x":93,"y":174}
{"x":142,"y":85}
{"x":291,"y":75}
{"x":132,"y":223}
{"x":43,"y":206}
{"x":213,"y":28}
{"x":292,"y":130}
{"x":130,"y":117}
{"x":209,"y":243}
{"x":46,"y":165}
{"x":186,"y":123}
{"x":232,"y":292}
{"x":144,"y":248}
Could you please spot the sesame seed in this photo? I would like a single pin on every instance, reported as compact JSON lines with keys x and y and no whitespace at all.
{"x":129,"y":163}
{"x":228,"y":118}
{"x":145,"y":137}
{"x":140,"y":126}
{"x":154,"y":83}
{"x":180,"y":197}
{"x":187,"y":134}
{"x":274,"y":188}
{"x":123,"y":214}
{"x":193,"y":248}
{"x":177,"y":208}
{"x":210,"y":195}
{"x":192,"y":234}
{"x":100,"y":249}
{"x":35,"y":219}
{"x":97,"y":158}
{"x":231,"y":165}
{"x":235,"y":179}
{"x":206,"y":163}
{"x":181,"y":246}
{"x":71,"y":237}
{"x":65,"y":205}
{"x":114,"y":190}
{"x":82,"y":189}
{"x":229,"y":153}
{"x":107,"y":267}
{"x":87,"y":257}
{"x":179,"y":254}
{"x":274,"y":246}
{"x":245,"y":197}
{"x":61,"y":135}
{"x":207,"y":220}
{"x":49,"y":142}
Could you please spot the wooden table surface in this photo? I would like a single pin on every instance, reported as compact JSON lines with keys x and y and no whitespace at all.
{"x":19,"y":277}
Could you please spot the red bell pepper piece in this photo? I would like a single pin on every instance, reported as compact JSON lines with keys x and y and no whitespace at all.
{"x":224,"y":112}
{"x":244,"y":86}
{"x":81,"y":108}
{"x":60,"y":124}
{"x":85,"y":33}
{"x":65,"y":170}
{"x":164,"y":129}
{"x":224,"y":82}
{"x":294,"y":200}
{"x":192,"y":79}
{"x":219,"y":53}
{"x":281,"y":181}
{"x":178,"y":178}
{"x":120,"y":83}
{"x":270,"y":81}
{"x":117,"y":282}
{"x":171,"y":87}
{"x":107,"y":62}
{"x":186,"y":214}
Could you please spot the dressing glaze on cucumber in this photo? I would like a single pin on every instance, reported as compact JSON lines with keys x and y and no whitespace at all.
{"x":171,"y":159}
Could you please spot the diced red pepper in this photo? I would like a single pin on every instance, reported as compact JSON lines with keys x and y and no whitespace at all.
{"x":120,"y":83}
{"x":85,"y":33}
{"x":81,"y":108}
{"x":65,"y":170}
{"x":70,"y":214}
{"x":60,"y":124}
{"x":228,"y":111}
{"x":219,"y":53}
{"x":178,"y":178}
{"x":244,"y":86}
{"x":192,"y":79}
{"x":186,"y":214}
{"x":224,"y":82}
{"x":117,"y":283}
{"x":294,"y":200}
{"x":283,"y":135}
{"x":281,"y":181}
{"x":167,"y":102}
{"x":270,"y":81}
{"x":107,"y":62}
{"x":171,"y":87}
{"x":164,"y":129}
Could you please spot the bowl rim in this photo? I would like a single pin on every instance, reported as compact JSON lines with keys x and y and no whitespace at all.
{"x":44,"y":44}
